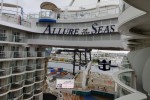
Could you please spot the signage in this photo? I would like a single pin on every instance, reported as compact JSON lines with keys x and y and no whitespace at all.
{"x":94,"y":29}
{"x":65,"y":83}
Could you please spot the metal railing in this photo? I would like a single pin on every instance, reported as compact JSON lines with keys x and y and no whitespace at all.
{"x":84,"y":14}
{"x":12,"y":17}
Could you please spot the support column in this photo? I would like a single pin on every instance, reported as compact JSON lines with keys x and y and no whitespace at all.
{"x":90,"y":55}
{"x":74,"y":62}
{"x":80,"y":62}
{"x":85,"y":58}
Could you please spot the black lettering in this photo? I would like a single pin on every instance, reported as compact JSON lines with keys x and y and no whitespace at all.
{"x":64,"y":31}
{"x":71,"y":31}
{"x":47,"y":28}
{"x":100,"y":29}
{"x":112,"y":28}
{"x":54,"y":30}
{"x":59,"y":30}
{"x":94,"y":28}
{"x":76,"y":31}
{"x":106,"y":29}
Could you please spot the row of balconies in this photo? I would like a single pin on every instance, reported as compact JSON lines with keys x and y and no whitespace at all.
{"x":20,"y":54}
{"x":12,"y":38}
{"x":20,"y":69}
{"x":20,"y":84}
{"x":22,"y":94}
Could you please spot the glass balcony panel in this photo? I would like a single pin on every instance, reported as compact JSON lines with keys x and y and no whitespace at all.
{"x":29,"y":81}
{"x":5,"y":71}
{"x":5,"y":54}
{"x":18,"y":69}
{"x":16,"y":85}
{"x":4,"y":88}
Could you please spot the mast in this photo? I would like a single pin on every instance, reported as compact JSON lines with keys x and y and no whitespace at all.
{"x":71,"y":3}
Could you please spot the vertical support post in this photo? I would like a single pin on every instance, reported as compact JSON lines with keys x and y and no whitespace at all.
{"x":80,"y":62}
{"x":85,"y":58}
{"x":90,"y":55}
{"x":74,"y":62}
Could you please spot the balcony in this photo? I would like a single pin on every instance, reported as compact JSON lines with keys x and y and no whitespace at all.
{"x":5,"y":54}
{"x":40,"y":54}
{"x":40,"y":66}
{"x":3,"y":37}
{"x":30,"y":67}
{"x":4,"y":89}
{"x":29,"y":81}
{"x":16,"y":95}
{"x":18,"y":54}
{"x":28,"y":95}
{"x":31,"y":54}
{"x":5,"y":72}
{"x":39,"y":78}
{"x":17,"y":70}
{"x":17,"y":85}
{"x":37,"y":91}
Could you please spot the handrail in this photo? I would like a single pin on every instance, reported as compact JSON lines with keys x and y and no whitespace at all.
{"x":135,"y":95}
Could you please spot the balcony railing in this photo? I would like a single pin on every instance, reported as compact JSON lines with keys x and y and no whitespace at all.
{"x":15,"y":95}
{"x":3,"y":37}
{"x":31,"y":54}
{"x":39,"y":78}
{"x":40,"y":54}
{"x":37,"y":91}
{"x":4,"y":89}
{"x":17,"y":85}
{"x":84,"y":14}
{"x":9,"y":16}
{"x":30,"y":67}
{"x":125,"y":92}
{"x":40,"y":66}
{"x":5,"y":54}
{"x":29,"y":81}
{"x":5,"y":71}
{"x":18,"y":54}
{"x":28,"y":95}
{"x":19,"y":69}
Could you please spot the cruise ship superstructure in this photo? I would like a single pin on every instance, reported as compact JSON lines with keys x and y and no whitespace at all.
{"x":24,"y":39}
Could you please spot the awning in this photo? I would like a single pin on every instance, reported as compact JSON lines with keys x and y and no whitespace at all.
{"x":49,"y":6}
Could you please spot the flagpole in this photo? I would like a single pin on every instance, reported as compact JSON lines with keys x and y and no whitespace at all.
{"x":1,"y":6}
